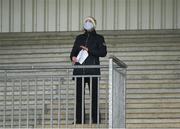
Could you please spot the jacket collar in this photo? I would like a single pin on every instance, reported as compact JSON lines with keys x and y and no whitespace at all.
{"x":90,"y":32}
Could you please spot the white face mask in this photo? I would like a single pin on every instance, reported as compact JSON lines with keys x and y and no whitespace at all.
{"x":88,"y":25}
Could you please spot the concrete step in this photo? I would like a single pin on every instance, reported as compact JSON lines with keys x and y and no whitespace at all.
{"x":153,"y":86}
{"x":78,"y":126}
{"x":153,"y":70}
{"x":108,"y":33}
{"x":126,"y":41}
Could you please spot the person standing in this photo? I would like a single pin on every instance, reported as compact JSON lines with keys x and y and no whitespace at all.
{"x":94,"y":46}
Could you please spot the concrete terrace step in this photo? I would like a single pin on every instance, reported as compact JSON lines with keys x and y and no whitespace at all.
{"x":152,"y":56}
{"x":105,"y":33}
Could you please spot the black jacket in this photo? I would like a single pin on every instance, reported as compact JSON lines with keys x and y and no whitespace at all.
{"x":96,"y":48}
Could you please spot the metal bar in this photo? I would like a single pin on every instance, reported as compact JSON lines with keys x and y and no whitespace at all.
{"x":114,"y":89}
{"x":82,"y":101}
{"x":119,"y":106}
{"x":75,"y":102}
{"x":20,"y":103}
{"x":110,"y":92}
{"x":47,"y":76}
{"x":35,"y":108}
{"x":67,"y":97}
{"x":118,"y":62}
{"x":125,"y":79}
{"x":59,"y":102}
{"x":12,"y":109}
{"x":116,"y":86}
{"x":106,"y":108}
{"x":28,"y":89}
{"x":59,"y":67}
{"x":43,"y":104}
{"x":51,"y":102}
{"x":90,"y":111}
{"x":98,"y":101}
{"x":5,"y":90}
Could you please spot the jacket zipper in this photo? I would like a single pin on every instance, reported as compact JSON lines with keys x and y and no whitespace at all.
{"x":85,"y":46}
{"x":87,"y":40}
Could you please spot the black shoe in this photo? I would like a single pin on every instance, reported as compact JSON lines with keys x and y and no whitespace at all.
{"x":77,"y":122}
{"x":95,"y":121}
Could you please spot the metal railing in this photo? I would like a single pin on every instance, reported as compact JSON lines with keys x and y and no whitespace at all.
{"x":117,"y":93}
{"x":45,"y":96}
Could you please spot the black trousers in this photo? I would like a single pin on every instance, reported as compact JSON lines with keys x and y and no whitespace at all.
{"x":79,"y":96}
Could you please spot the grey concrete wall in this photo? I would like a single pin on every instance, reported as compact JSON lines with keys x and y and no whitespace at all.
{"x":67,"y":15}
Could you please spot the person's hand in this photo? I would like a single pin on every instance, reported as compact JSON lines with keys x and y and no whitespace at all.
{"x":74,"y":59}
{"x":84,"y":48}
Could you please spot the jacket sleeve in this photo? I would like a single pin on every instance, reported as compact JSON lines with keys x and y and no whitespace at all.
{"x":100,"y":50}
{"x":74,"y":50}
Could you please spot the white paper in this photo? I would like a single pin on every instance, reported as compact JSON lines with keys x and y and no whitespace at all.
{"x":83,"y":54}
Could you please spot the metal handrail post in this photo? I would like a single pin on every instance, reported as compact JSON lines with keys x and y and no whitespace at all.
{"x":117,"y":93}
{"x":5,"y":89}
{"x":110,"y":92}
